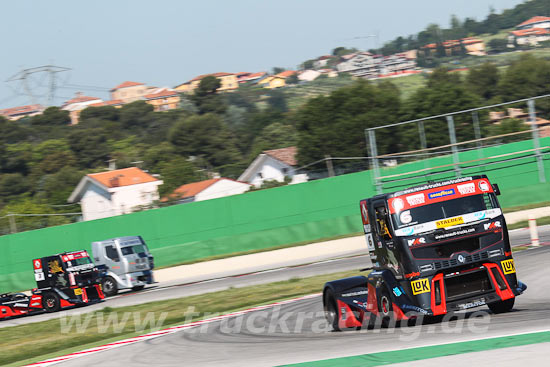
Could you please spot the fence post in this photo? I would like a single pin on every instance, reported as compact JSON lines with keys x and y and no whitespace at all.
{"x":452,"y":135}
{"x":374,"y":158}
{"x":536,"y":144}
{"x":13,"y":224}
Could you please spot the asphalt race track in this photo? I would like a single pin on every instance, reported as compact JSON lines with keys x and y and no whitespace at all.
{"x":159,"y":293}
{"x":297,"y":332}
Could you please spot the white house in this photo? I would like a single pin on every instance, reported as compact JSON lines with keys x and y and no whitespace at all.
{"x":116,"y":192}
{"x":77,"y":104}
{"x":208,"y":189}
{"x":309,"y":75}
{"x":535,"y":22}
{"x":273,"y":165}
{"x":530,"y":36}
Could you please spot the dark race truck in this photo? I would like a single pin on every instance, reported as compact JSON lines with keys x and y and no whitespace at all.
{"x":63,"y":280}
{"x":435,"y":248}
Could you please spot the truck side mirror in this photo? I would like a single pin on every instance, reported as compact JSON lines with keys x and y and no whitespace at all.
{"x":496,"y":189}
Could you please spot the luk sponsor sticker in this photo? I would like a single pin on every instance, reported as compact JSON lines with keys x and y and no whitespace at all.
{"x":508,"y":266}
{"x":416,"y":199}
{"x":469,"y":188}
{"x":449,"y":222}
{"x":420,"y":286}
{"x":78,"y":291}
{"x":440,"y":194}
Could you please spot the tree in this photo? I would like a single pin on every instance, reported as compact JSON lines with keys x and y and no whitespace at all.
{"x":483,"y":80}
{"x":293,"y":79}
{"x":508,"y":126}
{"x":135,"y":115}
{"x":274,"y":136}
{"x":176,"y":172}
{"x":340,"y":51}
{"x":277,"y":70}
{"x":335,"y":124}
{"x":52,"y":116}
{"x":498,"y":45}
{"x":90,"y":147}
{"x":308,"y":64}
{"x":444,"y":92}
{"x":207,"y":137}
{"x":29,"y":206}
{"x":205,"y":97}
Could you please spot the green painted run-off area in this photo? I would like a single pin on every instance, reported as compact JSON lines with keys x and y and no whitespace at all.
{"x":257,"y":220}
{"x":415,"y":354}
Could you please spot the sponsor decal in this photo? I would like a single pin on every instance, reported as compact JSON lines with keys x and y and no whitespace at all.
{"x":367,"y":228}
{"x":54,"y":267}
{"x":461,"y":259}
{"x":416,"y":199}
{"x":476,"y":303}
{"x":414,"y":308}
{"x":508,"y":266}
{"x":416,"y":241}
{"x":364,"y":212}
{"x":449,"y":222}
{"x":433,"y":186}
{"x":81,"y":267}
{"x":21,"y":305}
{"x":507,"y":253}
{"x":466,"y":189}
{"x":398,"y":204}
{"x":442,"y":193}
{"x":480,"y":215}
{"x":39,"y":277}
{"x":78,"y":291}
{"x":343,"y":313}
{"x":455,"y":233}
{"x":420,"y":286}
{"x":405,"y":217}
{"x":37,"y":264}
{"x":412,"y":275}
{"x":352,"y":294}
{"x":370,"y":242}
{"x":408,"y":231}
{"x":379,"y":244}
{"x":492,"y":225}
{"x":397,"y":291}
{"x":70,"y":257}
{"x":483,"y":186}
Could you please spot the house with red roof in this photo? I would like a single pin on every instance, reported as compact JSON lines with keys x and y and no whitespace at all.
{"x":207,"y":189}
{"x":130,"y":91}
{"x":77,"y":104}
{"x":277,"y":80}
{"x":115,"y":192}
{"x":529,"y":36}
{"x":273,"y":165}
{"x":163,"y":99}
{"x":228,"y":82}
{"x":535,"y":22}
{"x":15,"y":113}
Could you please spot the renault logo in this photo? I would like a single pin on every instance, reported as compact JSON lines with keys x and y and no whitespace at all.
{"x":460,"y":258}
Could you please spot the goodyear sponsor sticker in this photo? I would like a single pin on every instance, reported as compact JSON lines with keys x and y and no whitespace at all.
{"x":449,"y":222}
{"x":508,"y":266}
{"x":441,"y":193}
{"x":420,"y":286}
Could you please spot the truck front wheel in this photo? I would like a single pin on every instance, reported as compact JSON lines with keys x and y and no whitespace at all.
{"x":50,"y":302}
{"x":502,"y":306}
{"x":331,"y":310}
{"x":385,"y":309}
{"x":109,"y":286}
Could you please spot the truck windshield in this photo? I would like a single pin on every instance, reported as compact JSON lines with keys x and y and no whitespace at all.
{"x":135,"y":249}
{"x":444,"y":209}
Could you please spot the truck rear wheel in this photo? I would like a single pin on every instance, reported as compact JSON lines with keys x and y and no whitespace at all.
{"x":502,"y":306}
{"x":331,"y":310}
{"x":109,"y":286}
{"x":50,"y":302}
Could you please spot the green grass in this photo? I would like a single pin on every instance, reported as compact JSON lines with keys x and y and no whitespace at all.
{"x":41,"y":340}
{"x":523,"y":224}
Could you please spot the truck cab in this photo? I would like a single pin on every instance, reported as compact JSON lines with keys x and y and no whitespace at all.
{"x":63,"y":280}
{"x":126,"y":263}
{"x":434,"y":248}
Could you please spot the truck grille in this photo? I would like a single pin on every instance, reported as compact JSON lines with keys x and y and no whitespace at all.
{"x":467,"y":285}
{"x":467,"y":259}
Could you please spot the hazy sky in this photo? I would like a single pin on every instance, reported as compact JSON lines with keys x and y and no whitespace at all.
{"x":164,"y":43}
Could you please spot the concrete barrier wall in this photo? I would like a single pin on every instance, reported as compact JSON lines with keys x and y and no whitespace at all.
{"x":257,"y":220}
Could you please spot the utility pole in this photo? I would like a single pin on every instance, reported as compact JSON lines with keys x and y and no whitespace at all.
{"x":24,"y":76}
{"x":13,"y":224}
{"x":330,"y":169}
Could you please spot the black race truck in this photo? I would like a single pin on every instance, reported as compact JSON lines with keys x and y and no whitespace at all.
{"x":63,"y":280}
{"x":435,"y":248}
